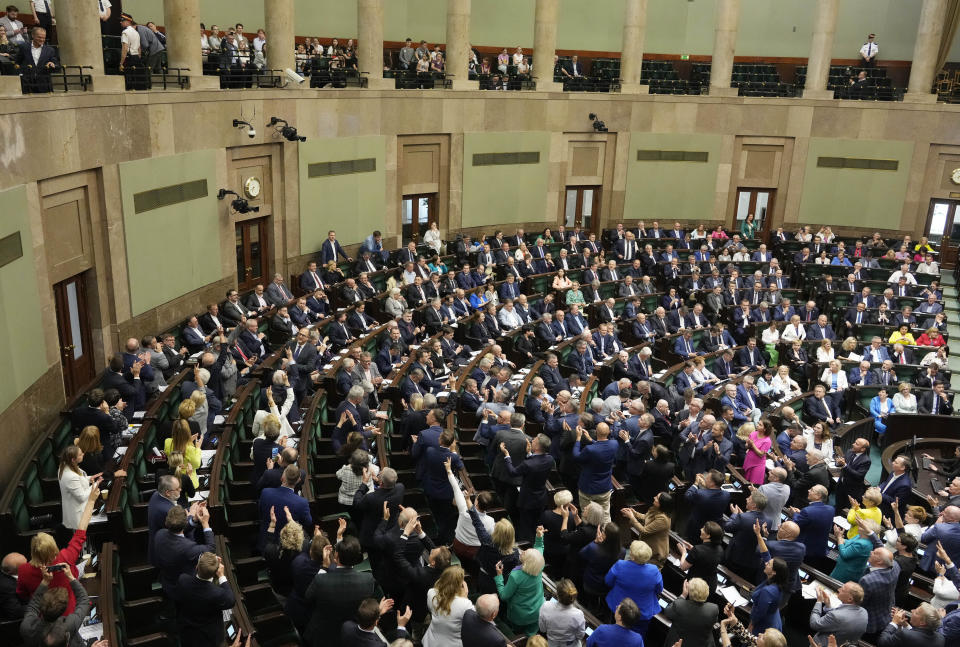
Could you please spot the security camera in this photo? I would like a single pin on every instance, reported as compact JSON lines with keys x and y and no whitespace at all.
{"x":240,"y":205}
{"x":287,"y":131}
{"x":292,"y":77}
{"x":251,"y":133}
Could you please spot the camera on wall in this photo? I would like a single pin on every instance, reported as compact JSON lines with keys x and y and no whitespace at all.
{"x":240,"y":205}
{"x":598,"y":125}
{"x":287,"y":131}
{"x":238,"y":123}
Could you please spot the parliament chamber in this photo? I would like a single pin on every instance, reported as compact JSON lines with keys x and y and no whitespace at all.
{"x":479,"y":323}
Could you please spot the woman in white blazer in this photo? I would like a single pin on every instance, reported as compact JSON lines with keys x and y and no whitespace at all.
{"x":834,"y":377}
{"x":75,"y":486}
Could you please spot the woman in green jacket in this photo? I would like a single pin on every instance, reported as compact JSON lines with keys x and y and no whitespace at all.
{"x":749,"y":227}
{"x":523,"y":591}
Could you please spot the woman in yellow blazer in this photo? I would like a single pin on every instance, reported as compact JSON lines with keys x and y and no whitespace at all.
{"x":872,"y":499}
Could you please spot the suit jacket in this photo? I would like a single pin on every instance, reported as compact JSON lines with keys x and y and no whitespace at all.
{"x":816,"y":523}
{"x":847,"y":622}
{"x":200,"y":606}
{"x":814,"y":410}
{"x":352,"y":634}
{"x":878,"y":595}
{"x":925,"y":405}
{"x":333,"y":598}
{"x":331,"y":251}
{"x":743,"y":545}
{"x":909,"y":637}
{"x":47,"y":55}
{"x":692,"y":621}
{"x":516,"y":442}
{"x":11,"y":606}
{"x":946,"y":533}
{"x":533,"y":472}
{"x":705,"y":505}
{"x":277,"y":498}
{"x":370,"y":504}
{"x":278,"y":295}
{"x":553,"y":380}
{"x":176,"y":555}
{"x":131,"y":390}
{"x":895,"y":489}
{"x":477,"y":632}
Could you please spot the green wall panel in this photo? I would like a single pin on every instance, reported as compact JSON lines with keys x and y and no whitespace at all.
{"x":505,"y":193}
{"x":829,"y":193}
{"x":169,"y":251}
{"x":667,"y":189}
{"x":22,"y":346}
{"x":352,"y":204}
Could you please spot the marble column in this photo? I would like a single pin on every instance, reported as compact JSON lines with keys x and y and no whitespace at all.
{"x":724,"y":46}
{"x":370,"y":43}
{"x":458,"y":43}
{"x":181,"y":23}
{"x":78,"y":31}
{"x":281,"y":54}
{"x":545,"y":45}
{"x":925,"y":50}
{"x":631,"y":53}
{"x":821,"y":50}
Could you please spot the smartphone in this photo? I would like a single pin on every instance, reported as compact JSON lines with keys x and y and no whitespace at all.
{"x":663,"y":603}
{"x":231,"y":632}
{"x":671,"y":486}
{"x":276,"y":450}
{"x":56,"y":567}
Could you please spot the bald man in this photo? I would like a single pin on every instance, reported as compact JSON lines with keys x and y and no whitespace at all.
{"x":846,"y":622}
{"x":478,"y":628}
{"x":787,"y":548}
{"x":11,"y":606}
{"x":879,"y":589}
{"x":946,"y":530}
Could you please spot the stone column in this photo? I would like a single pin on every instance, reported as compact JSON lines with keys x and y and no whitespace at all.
{"x":631,"y":54}
{"x":925,"y":51}
{"x":724,"y":46}
{"x":370,"y":43}
{"x":181,"y":23}
{"x":545,"y":45}
{"x":281,"y":53}
{"x":821,"y":50}
{"x":78,"y":30}
{"x":458,"y":43}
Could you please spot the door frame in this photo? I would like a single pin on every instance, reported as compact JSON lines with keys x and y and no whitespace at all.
{"x":263,"y":225}
{"x":764,"y":232}
{"x":76,"y":374}
{"x":948,"y":245}
{"x":578,"y":209}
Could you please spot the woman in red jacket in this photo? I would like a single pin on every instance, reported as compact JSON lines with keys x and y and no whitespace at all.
{"x":43,"y":552}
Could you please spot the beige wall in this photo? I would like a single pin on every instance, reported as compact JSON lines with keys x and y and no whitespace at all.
{"x":84,"y":140}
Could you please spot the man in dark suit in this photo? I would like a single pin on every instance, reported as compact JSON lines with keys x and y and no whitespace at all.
{"x":552,"y":379}
{"x":331,"y":249}
{"x":855,"y":464}
{"x":741,"y":551}
{"x":478,"y":628}
{"x":11,"y":606}
{"x":819,"y":407}
{"x":335,"y":596}
{"x":935,"y":402}
{"x":370,"y":504}
{"x":815,"y":521}
{"x":201,"y":599}
{"x":897,"y":486}
{"x":364,"y":632}
{"x":310,"y":279}
{"x":533,"y":472}
{"x":37,"y":60}
{"x":707,"y":502}
{"x":284,"y":496}
{"x":176,"y":554}
{"x":920,"y":630}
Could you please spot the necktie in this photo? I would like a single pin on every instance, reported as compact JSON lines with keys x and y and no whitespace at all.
{"x":809,"y":315}
{"x":296,"y":353}
{"x":936,"y":405}
{"x":686,"y":345}
{"x":859,"y":316}
{"x":903,"y":359}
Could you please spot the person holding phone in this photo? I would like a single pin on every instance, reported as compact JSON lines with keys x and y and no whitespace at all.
{"x":75,"y":488}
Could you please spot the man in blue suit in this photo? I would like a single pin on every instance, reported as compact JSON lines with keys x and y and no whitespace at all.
{"x":168,"y":491}
{"x":821,"y":329}
{"x":707,"y":503}
{"x":552,"y":379}
{"x":861,"y":375}
{"x":816,"y":523}
{"x":685,"y":346}
{"x":751,"y":357}
{"x":277,"y":498}
{"x":437,"y":487}
{"x":741,"y":551}
{"x":876,"y":352}
{"x":331,"y":249}
{"x":533,"y":472}
{"x":946,"y":530}
{"x":897,"y":486}
{"x":175,"y":553}
{"x":581,"y":359}
{"x":429,"y":437}
{"x":510,"y":289}
{"x":682,"y":380}
{"x":786,"y":547}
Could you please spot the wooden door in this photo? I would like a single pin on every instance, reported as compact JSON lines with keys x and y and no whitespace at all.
{"x":416,"y":214}
{"x":582,"y":208}
{"x":759,"y":202}
{"x":253,"y":260}
{"x":73,"y":330}
{"x":943,"y":229}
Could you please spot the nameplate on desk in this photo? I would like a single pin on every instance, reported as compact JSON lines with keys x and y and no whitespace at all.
{"x":138,"y":415}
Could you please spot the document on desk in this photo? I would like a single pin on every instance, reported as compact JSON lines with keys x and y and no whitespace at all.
{"x":732,"y":595}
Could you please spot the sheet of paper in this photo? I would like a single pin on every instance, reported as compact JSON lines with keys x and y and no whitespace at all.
{"x":443,"y":394}
{"x":199,"y":496}
{"x":218,"y":419}
{"x":138,"y":415}
{"x":732,"y":595}
{"x":91,"y":632}
{"x":842,"y":522}
{"x":207,"y":456}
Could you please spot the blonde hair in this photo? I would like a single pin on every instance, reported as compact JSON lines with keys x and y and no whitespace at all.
{"x":904,"y":386}
{"x":416,"y":402}
{"x":773,"y":638}
{"x":697,"y":590}
{"x":69,"y":460}
{"x":181,"y":436}
{"x":43,"y":550}
{"x":504,"y":537}
{"x":639,"y":552}
{"x":918,"y":512}
{"x":291,"y":536}
{"x":873,"y":496}
{"x":271,"y":426}
{"x":198,"y":398}
{"x":89,"y":440}
{"x":745,"y":430}
{"x":447,"y":587}
{"x":531,"y":562}
{"x":562,"y":497}
{"x":850,"y":343}
{"x":186,"y":409}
